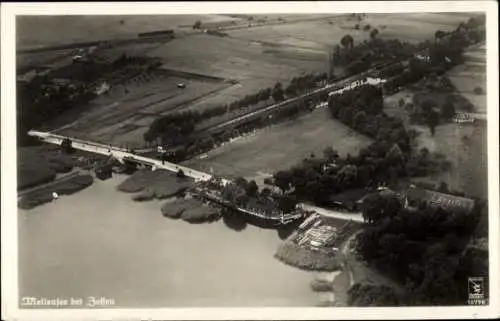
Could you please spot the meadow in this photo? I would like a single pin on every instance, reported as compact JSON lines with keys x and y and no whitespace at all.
{"x":471,"y":75}
{"x":120,"y":116}
{"x":282,"y":146}
{"x":39,"y":31}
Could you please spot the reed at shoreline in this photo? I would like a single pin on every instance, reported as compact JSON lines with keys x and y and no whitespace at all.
{"x":45,"y":194}
{"x":302,"y":258}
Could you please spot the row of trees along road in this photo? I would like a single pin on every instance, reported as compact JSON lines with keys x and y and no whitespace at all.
{"x":174,"y":128}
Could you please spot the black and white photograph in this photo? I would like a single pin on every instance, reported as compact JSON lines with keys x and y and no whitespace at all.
{"x":250,"y":156}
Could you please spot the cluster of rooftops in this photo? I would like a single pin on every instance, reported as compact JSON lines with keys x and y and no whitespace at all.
{"x":411,"y":196}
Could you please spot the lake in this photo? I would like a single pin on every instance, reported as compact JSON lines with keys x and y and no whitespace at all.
{"x":99,"y":243}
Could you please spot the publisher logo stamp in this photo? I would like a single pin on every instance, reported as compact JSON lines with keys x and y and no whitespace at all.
{"x":476,"y":291}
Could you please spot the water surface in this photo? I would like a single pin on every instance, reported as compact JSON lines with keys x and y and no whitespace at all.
{"x":100,"y":243}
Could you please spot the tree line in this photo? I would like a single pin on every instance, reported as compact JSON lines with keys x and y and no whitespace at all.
{"x":361,"y":109}
{"x":176,"y":128}
{"x":299,"y":85}
{"x":445,"y":50}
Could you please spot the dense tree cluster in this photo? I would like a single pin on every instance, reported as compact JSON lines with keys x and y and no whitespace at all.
{"x":374,"y":33}
{"x":172,"y":128}
{"x":444,"y":53}
{"x":246,"y":194}
{"x":360,"y":57}
{"x":422,"y":249}
{"x":48,"y":96}
{"x":197,"y":24}
{"x":248,"y":100}
{"x":175,"y":128}
{"x":361,"y":109}
{"x":298,"y":85}
{"x":40,"y":101}
{"x":388,"y":158}
{"x":182,"y":125}
{"x":278,"y":93}
{"x":364,"y":295}
{"x":377,"y":207}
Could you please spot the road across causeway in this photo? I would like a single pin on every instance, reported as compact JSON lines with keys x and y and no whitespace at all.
{"x":121,"y":154}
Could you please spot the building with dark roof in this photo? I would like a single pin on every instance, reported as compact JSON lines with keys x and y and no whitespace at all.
{"x":433,"y":199}
{"x":104,"y":171}
{"x":349,"y":200}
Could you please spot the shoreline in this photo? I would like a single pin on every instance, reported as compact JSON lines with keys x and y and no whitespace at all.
{"x":112,"y":228}
{"x":331,"y":297}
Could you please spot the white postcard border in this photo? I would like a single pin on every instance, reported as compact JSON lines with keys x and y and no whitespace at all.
{"x":10,"y":308}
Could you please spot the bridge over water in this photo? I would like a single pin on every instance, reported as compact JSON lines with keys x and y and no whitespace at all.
{"x":123,"y":155}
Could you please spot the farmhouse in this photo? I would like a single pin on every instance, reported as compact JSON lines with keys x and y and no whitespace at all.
{"x":104,"y":171}
{"x":433,"y":199}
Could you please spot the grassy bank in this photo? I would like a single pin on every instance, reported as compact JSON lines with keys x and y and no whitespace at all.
{"x":68,"y":187}
{"x":190,"y":210}
{"x":321,"y":286}
{"x":302,"y":258}
{"x":158,"y":184}
{"x":40,"y":164}
{"x":201,"y":214}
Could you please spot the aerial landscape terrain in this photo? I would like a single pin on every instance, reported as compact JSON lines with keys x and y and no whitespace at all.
{"x":252,"y":160}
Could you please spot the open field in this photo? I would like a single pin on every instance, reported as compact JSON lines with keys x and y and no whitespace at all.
{"x":41,"y":164}
{"x":281,"y":146}
{"x":309,"y":36}
{"x":414,"y":27}
{"x":120,"y":118}
{"x":256,"y":56}
{"x":249,"y":21}
{"x":465,"y":146}
{"x":321,"y":34}
{"x":48,"y":58}
{"x":38,"y":31}
{"x":471,"y":74}
{"x":242,"y":60}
